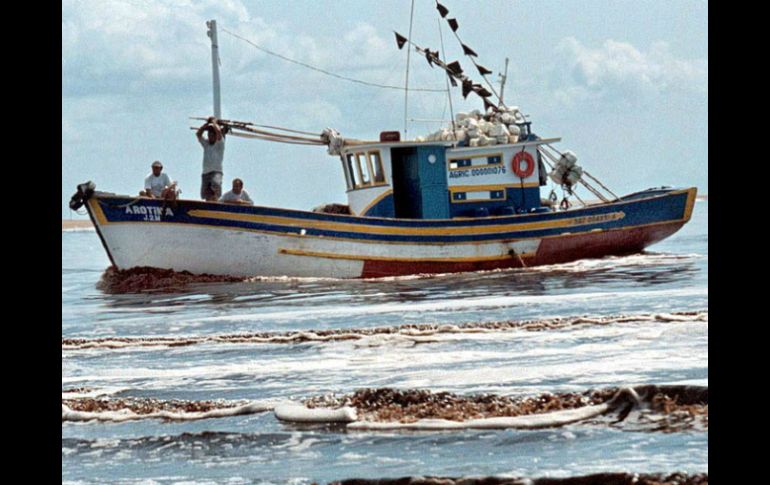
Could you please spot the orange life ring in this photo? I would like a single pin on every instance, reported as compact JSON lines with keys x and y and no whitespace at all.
{"x":516,"y":164}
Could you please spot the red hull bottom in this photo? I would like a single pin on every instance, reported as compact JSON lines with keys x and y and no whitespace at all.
{"x":552,"y":250}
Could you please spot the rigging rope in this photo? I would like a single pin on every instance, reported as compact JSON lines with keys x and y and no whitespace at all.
{"x":406,"y":83}
{"x":323,"y":71}
{"x":483,"y":76}
{"x":448,"y":92}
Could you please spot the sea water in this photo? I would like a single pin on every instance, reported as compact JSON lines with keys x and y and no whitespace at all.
{"x":671,"y":276}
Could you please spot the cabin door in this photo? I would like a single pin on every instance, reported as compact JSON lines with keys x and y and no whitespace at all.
{"x":433,"y":182}
{"x":420,"y":182}
{"x":406,"y":183}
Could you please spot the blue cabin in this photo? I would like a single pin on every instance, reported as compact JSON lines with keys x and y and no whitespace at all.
{"x":441,"y":180}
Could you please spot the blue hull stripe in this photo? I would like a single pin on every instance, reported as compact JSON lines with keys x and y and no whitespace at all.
{"x":639,"y":210}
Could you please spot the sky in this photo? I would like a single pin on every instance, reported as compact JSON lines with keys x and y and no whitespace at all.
{"x":623,"y":83}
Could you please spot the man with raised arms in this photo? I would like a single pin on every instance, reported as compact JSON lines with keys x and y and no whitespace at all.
{"x":213,"y":155}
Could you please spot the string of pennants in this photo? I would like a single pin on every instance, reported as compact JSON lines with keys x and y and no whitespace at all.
{"x":453,"y":69}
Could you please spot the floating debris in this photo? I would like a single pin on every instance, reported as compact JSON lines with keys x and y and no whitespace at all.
{"x":405,"y":406}
{"x":127,"y":409}
{"x":141,"y":279}
{"x":656,"y":408}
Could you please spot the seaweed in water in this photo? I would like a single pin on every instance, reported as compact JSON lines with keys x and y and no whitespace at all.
{"x":143,"y":278}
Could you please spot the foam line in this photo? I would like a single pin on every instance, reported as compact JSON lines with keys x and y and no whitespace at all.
{"x":415,"y":332}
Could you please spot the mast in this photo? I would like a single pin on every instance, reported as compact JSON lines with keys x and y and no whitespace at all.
{"x":212,"y":33}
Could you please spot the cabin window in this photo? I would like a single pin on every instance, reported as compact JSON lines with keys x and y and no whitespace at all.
{"x":376,"y":163}
{"x":365,"y":178}
{"x":355,"y":176}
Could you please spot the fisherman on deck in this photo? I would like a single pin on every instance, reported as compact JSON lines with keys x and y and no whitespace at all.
{"x":213,"y":154}
{"x":238,"y":195}
{"x":158,"y":185}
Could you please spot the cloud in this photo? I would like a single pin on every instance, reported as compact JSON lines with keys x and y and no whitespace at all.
{"x":135,"y":46}
{"x":129,"y":46}
{"x":618,"y":71}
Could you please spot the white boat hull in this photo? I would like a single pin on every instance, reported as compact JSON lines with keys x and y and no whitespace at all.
{"x":200,"y":250}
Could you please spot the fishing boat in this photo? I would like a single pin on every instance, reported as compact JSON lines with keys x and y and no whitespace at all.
{"x":466,"y":198}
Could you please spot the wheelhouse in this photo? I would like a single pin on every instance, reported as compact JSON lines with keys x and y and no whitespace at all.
{"x":441,"y":180}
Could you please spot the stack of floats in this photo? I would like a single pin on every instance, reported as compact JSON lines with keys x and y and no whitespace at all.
{"x":475,"y":129}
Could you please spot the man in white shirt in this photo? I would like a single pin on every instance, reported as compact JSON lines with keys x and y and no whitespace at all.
{"x":237,"y":195}
{"x":156,"y":183}
{"x":213,"y":155}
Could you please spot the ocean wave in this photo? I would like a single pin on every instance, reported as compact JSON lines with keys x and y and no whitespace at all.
{"x":594,"y":479}
{"x":453,"y":305}
{"x":90,"y":392}
{"x":641,"y":408}
{"x":409,"y":333}
{"x":656,"y":408}
{"x":79,"y":229}
{"x":131,"y":409}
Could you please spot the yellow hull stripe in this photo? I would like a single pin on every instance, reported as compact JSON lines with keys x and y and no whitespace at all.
{"x":691,"y":196}
{"x":101,"y":220}
{"x":407,"y":231}
{"x":97,"y":211}
{"x":356,"y":257}
{"x":397,"y":243}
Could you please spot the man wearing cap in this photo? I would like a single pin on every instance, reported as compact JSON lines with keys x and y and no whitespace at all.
{"x":156,"y":183}
{"x":213,"y":154}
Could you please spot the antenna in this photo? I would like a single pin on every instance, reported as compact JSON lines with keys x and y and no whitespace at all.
{"x":212,"y":33}
{"x":503,"y":78}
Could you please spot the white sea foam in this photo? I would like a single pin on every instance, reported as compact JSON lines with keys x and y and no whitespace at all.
{"x":449,"y":305}
{"x":302,"y":414}
{"x":580,"y":357}
{"x":92,"y":393}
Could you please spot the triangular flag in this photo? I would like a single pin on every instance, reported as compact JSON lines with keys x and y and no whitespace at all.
{"x":468,"y":51}
{"x":454,"y":68}
{"x":478,"y":89}
{"x":488,"y":105}
{"x":453,"y":24}
{"x":452,"y":80}
{"x":441,"y":9}
{"x":483,"y":70}
{"x":467,"y":88}
{"x":429,"y":57}
{"x":400,"y":39}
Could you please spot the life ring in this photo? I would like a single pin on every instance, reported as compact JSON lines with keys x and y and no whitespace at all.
{"x":516,"y":164}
